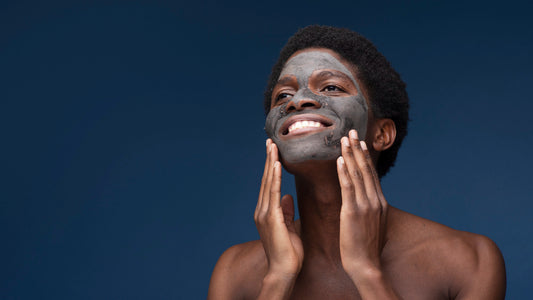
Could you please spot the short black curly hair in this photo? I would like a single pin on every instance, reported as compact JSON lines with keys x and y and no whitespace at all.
{"x":386,"y":90}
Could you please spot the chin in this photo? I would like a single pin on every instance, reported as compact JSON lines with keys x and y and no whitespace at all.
{"x":305,"y":166}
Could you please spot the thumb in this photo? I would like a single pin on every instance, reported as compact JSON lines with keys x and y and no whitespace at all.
{"x":287,"y":206}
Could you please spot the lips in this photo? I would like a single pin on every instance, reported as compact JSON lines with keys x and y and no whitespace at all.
{"x":303,"y":124}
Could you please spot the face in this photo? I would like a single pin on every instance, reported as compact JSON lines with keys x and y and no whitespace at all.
{"x":314,"y":104}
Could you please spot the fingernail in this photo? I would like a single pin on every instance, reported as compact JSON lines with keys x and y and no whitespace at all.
{"x":341,"y":160}
{"x":353,"y":134}
{"x":266,"y":142}
{"x":363,"y":145}
{"x":345,"y":141}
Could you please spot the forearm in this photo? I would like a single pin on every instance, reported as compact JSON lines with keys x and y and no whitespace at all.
{"x":276,"y":287}
{"x":372,"y":284}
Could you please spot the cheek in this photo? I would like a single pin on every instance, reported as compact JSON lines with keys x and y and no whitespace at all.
{"x":271,"y":121}
{"x":348,"y":108}
{"x":352,"y":113}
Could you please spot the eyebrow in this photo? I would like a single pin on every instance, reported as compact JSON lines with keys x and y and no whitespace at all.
{"x":285,"y":80}
{"x":327,"y":74}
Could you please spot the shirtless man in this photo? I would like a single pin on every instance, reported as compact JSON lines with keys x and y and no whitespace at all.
{"x":337,"y":113}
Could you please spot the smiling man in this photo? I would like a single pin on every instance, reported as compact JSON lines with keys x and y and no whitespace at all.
{"x":337,"y":114}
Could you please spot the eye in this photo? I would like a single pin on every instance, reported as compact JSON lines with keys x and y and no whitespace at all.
{"x":283,"y":96}
{"x":332,"y":88}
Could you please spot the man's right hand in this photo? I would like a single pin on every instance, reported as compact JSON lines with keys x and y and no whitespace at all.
{"x":275,"y":222}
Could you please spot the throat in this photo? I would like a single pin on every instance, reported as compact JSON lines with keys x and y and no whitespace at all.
{"x":319,"y":204}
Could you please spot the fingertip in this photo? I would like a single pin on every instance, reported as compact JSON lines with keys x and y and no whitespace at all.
{"x":345,"y":142}
{"x":353,"y":134}
{"x":274,"y":150}
{"x":363,"y":146}
{"x":340,"y":164}
{"x":271,"y":147}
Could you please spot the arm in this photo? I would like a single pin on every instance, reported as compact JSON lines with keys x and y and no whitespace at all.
{"x":362,"y":221}
{"x":221,"y":285}
{"x":485,"y":277}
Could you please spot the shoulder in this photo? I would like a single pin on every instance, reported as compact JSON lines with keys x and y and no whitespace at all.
{"x":238,"y":272}
{"x":469,"y":264}
{"x":477,"y":266}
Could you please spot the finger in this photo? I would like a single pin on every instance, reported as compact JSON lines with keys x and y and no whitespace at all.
{"x":265,"y":171}
{"x":269,"y":179}
{"x":366,"y":168}
{"x":275,"y":189}
{"x":375,"y":177}
{"x":347,"y":188}
{"x":263,"y":179}
{"x":274,"y":153}
{"x":355,"y":173}
{"x":268,"y":182}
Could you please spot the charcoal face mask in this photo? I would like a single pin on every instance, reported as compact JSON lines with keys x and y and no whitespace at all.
{"x":344,"y":113}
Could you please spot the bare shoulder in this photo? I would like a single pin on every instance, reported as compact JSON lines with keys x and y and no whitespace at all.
{"x":238,"y":272}
{"x":468,"y":264}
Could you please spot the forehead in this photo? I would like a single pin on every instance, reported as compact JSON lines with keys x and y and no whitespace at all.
{"x":304,"y":63}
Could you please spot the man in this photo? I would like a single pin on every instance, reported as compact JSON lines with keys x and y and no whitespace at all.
{"x":337,"y":113}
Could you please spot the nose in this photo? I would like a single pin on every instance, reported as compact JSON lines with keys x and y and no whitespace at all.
{"x":297,"y":104}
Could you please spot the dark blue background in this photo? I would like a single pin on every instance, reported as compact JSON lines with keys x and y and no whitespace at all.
{"x":132,"y":139}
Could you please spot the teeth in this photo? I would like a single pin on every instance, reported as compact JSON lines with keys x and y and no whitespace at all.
{"x":304,"y":124}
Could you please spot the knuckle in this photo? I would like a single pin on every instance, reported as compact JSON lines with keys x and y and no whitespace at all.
{"x":375,"y":208}
{"x":368,"y":168}
{"x":346,"y":184}
{"x":270,"y":217}
{"x":260,"y":217}
{"x":350,"y":190}
{"x":348,"y":213}
{"x":363,"y":208}
{"x":367,"y":155}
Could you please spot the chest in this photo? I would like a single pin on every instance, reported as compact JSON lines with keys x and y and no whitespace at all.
{"x":410,"y":282}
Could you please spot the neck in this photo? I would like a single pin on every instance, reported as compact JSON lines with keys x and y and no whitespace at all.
{"x":319,"y":203}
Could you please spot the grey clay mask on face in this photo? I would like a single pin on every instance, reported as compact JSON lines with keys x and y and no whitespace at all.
{"x":336,"y":114}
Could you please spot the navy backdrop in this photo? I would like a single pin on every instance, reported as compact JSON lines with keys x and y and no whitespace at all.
{"x":132,"y":139}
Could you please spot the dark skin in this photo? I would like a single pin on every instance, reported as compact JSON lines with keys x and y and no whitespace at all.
{"x":349,"y":243}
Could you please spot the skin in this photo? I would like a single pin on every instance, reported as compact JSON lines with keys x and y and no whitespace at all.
{"x":349,"y":243}
{"x":307,"y":82}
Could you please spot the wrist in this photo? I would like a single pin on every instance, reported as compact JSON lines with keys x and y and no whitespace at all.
{"x":278,"y":278}
{"x":365,"y":273}
{"x":277,"y":286}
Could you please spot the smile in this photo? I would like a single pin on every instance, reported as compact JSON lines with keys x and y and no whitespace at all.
{"x":305,"y":123}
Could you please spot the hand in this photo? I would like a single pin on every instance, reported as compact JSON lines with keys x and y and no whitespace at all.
{"x":275,"y":222}
{"x":363,"y":214}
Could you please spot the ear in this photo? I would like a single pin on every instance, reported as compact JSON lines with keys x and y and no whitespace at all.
{"x":384,"y":134}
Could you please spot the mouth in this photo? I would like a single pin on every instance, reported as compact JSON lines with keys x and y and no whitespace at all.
{"x":303,"y":124}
